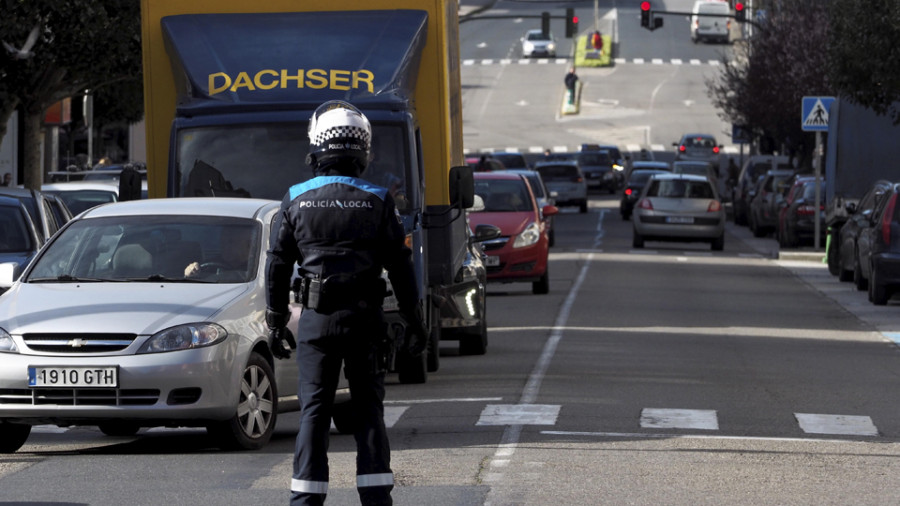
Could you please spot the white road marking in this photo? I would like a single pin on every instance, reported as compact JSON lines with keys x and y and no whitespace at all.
{"x":519,"y":414}
{"x":457,"y":399}
{"x":392,"y":414}
{"x":656,"y":418}
{"x":836,"y":424}
{"x":644,"y":435}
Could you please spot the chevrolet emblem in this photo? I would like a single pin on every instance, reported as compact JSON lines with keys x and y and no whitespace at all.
{"x":77,"y":343}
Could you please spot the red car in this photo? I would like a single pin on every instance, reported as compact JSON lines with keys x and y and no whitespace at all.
{"x":520,"y":253}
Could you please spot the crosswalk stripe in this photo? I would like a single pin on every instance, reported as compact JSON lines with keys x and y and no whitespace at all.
{"x":847,"y":425}
{"x":657,"y":418}
{"x":519,"y":414}
{"x":565,"y":61}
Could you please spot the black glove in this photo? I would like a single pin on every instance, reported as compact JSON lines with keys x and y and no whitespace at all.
{"x":416,"y":333}
{"x":281,"y":340}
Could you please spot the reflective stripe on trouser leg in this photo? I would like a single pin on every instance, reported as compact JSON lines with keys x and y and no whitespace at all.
{"x":374,"y":480}
{"x":309,"y":487}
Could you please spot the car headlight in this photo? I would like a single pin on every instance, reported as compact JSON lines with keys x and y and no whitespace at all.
{"x":551,"y":47}
{"x":7,"y":345}
{"x":618,"y":167}
{"x":185,"y":337}
{"x":528,"y":46}
{"x":529,"y":236}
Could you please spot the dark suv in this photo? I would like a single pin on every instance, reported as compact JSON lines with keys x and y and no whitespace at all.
{"x":880,"y":248}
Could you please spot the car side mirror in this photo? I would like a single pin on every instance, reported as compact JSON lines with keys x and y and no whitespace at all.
{"x":7,"y":274}
{"x":485,"y":232}
{"x":462,"y":186}
{"x":549,"y":210}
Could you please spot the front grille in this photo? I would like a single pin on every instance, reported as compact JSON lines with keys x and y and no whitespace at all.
{"x":79,"y":396}
{"x":78,"y":342}
{"x":494,"y":244}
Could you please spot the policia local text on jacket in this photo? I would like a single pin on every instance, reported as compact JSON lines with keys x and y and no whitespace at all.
{"x":342,"y":231}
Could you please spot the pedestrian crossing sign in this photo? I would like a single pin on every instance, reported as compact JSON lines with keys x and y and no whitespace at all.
{"x":814,"y":115}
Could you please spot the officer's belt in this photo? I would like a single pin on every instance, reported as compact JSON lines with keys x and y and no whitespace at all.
{"x":334,"y":293}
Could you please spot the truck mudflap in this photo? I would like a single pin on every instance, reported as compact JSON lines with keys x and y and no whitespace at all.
{"x":369,"y":55}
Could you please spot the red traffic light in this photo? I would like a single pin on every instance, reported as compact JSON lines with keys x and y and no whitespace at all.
{"x":575,"y":19}
{"x":645,"y":6}
{"x":738,"y":6}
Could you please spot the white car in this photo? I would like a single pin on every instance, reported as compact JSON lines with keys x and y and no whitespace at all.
{"x":709,"y":21}
{"x":535,"y":43}
{"x":146,"y":313}
{"x":80,"y":195}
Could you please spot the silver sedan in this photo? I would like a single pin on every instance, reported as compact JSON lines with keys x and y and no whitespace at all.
{"x":679,"y":207}
{"x":146,"y":313}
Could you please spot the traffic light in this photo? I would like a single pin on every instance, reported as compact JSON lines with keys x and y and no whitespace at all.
{"x":645,"y":15}
{"x":545,"y":24}
{"x":740,"y":14}
{"x":571,"y":23}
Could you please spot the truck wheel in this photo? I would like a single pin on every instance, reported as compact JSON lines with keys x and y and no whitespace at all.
{"x":13,"y":436}
{"x":252,"y":425}
{"x":119,"y":428}
{"x":412,"y":369}
{"x":434,"y":348}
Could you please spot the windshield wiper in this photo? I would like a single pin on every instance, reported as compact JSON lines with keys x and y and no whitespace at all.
{"x":68,"y":278}
{"x":160,"y":277}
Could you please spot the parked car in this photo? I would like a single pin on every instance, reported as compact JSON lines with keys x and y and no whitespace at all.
{"x":766,"y":202}
{"x":82,"y":195}
{"x":464,"y":311}
{"x":597,"y":167}
{"x":535,"y":43}
{"x":678,"y":207}
{"x":128,"y":338}
{"x":48,"y":212}
{"x":755,"y":167}
{"x":697,"y":147}
{"x":19,"y":238}
{"x":797,"y":216}
{"x":860,"y":217}
{"x":879,"y":248}
{"x":633,"y":187}
{"x":565,"y":179}
{"x":521,"y":252}
{"x":511,"y":160}
{"x":542,"y":195}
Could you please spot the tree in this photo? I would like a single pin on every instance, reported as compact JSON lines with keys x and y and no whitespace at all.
{"x":864,"y":53}
{"x":786,"y":60}
{"x":80,"y":45}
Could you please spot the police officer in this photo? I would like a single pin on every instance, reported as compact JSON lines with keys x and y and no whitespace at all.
{"x":342,"y":231}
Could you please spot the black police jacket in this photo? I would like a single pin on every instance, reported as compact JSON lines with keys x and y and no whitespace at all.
{"x":339,"y":226}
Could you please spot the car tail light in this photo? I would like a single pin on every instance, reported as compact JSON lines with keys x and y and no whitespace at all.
{"x":682,"y":148}
{"x":577,"y":179}
{"x":714,"y":207}
{"x":887,"y":219}
{"x":628,"y":191}
{"x":645,"y":204}
{"x":716,"y":149}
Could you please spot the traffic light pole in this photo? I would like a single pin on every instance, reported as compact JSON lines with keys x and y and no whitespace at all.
{"x":680,"y":13}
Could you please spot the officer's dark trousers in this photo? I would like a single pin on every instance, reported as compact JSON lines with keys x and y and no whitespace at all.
{"x":323,"y":342}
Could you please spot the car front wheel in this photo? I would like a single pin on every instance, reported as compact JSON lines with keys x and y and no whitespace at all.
{"x":542,"y":286}
{"x":13,"y":436}
{"x":252,"y":425}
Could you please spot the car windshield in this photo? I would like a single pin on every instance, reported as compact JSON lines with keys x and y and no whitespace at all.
{"x":14,"y":236}
{"x":553,"y":173}
{"x":641,"y":176}
{"x":82,"y":200}
{"x":503,"y":195}
{"x":537,"y":36}
{"x":700,"y":142}
{"x":680,"y":188}
{"x":512,"y":161}
{"x":591,"y":159}
{"x":693,"y":168}
{"x":809,"y":190}
{"x":536,"y":187}
{"x":152,"y":248}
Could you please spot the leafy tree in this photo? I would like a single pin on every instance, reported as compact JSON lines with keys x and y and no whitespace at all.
{"x":864,"y":53}
{"x":80,"y":45}
{"x":785,"y":60}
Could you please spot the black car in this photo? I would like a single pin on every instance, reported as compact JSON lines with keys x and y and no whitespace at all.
{"x":743,"y":191}
{"x":797,"y":217}
{"x":765,"y":203}
{"x":598,"y":170}
{"x":879,"y":248}
{"x":636,"y":182}
{"x":19,"y":238}
{"x":860,"y":217}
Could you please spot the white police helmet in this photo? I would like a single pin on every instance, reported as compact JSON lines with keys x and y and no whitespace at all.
{"x":338,"y":131}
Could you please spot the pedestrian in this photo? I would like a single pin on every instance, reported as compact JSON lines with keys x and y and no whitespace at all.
{"x":7,"y":179}
{"x":341,"y":231}
{"x":571,"y":79}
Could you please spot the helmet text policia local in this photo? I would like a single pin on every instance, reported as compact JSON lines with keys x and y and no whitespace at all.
{"x":338,"y":132}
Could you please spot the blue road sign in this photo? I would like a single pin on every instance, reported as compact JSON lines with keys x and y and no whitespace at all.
{"x":814,"y":113}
